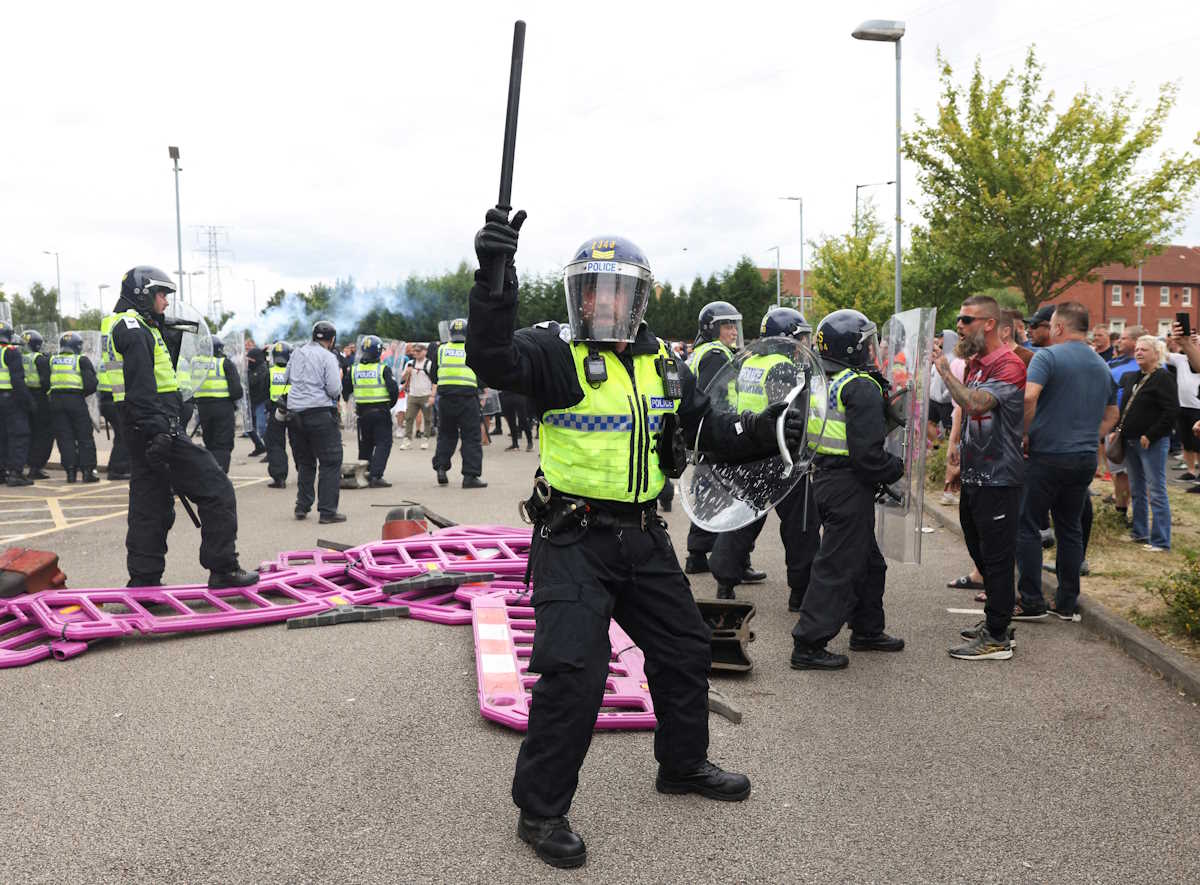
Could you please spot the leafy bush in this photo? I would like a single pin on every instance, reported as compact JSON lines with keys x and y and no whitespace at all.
{"x":935,"y":467}
{"x":1180,"y":590}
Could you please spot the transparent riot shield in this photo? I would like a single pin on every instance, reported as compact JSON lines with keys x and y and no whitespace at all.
{"x":906,"y":348}
{"x":196,"y":341}
{"x":235,"y":351}
{"x":6,"y":313}
{"x":721,"y":497}
{"x":91,"y":349}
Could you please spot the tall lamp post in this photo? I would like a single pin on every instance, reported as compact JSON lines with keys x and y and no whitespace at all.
{"x":58,"y":281}
{"x":881,"y":31}
{"x":1140,"y":296}
{"x":800,"y":201}
{"x":859,"y":187}
{"x":173,"y":152}
{"x":191,"y":274}
{"x":103,"y":286}
{"x":777,"y":286}
{"x":253,"y":295}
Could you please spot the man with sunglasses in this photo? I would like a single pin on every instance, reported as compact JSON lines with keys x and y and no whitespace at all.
{"x":1039,"y":326}
{"x":993,"y":467}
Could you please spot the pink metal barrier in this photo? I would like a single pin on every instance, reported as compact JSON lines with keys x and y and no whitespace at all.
{"x":504,"y":627}
{"x":405,"y":557}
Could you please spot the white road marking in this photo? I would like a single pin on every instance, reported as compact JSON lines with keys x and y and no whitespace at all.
{"x":965,"y":611}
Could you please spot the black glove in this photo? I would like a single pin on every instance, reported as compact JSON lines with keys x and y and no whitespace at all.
{"x":497,"y":239}
{"x":158,"y":452}
{"x":761,"y":427}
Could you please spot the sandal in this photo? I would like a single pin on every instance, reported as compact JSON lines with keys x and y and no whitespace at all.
{"x":981,"y":597}
{"x":964,"y":583}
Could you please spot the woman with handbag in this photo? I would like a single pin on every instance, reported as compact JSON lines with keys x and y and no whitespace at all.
{"x":1151,"y":405}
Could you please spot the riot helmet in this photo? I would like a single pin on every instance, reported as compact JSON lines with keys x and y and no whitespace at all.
{"x":6,"y":333}
{"x":141,"y":284}
{"x":785,"y":322}
{"x":846,"y":338}
{"x":458,"y":329}
{"x":70,"y":342}
{"x":608,"y":287}
{"x":323,"y":330}
{"x":717,"y":316}
{"x":371,"y":349}
{"x":33,"y":340}
{"x":281,"y":352}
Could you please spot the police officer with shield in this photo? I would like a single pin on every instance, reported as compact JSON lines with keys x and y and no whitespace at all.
{"x":144,"y":346}
{"x":276,"y":438}
{"x":849,"y":469}
{"x":611,"y":397}
{"x":37,"y":379}
{"x":375,"y":392}
{"x":458,"y":409}
{"x":219,"y":387}
{"x":16,"y":403}
{"x":775,"y":373}
{"x":72,"y":381}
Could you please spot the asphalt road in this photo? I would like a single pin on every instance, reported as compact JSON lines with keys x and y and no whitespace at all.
{"x":356,"y":753}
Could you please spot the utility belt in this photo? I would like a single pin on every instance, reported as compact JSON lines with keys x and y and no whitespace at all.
{"x":549,"y":510}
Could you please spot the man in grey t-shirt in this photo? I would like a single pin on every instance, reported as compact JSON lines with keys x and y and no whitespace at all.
{"x":1070,"y":403}
{"x":315,"y":381}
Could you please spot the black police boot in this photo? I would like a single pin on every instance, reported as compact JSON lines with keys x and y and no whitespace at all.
{"x":795,"y":600}
{"x":875,"y":642}
{"x":697,"y":564}
{"x":301,"y":514}
{"x":706,"y":779}
{"x":90,"y":475}
{"x":378,"y":482}
{"x":327,"y":518}
{"x":529,"y":447}
{"x":239,"y":577}
{"x":725,"y":591}
{"x":277,"y":484}
{"x":553,"y":840}
{"x":816,"y":657}
{"x":473,"y":482}
{"x":38,"y":474}
{"x":751,"y":575}
{"x":442,"y":478}
{"x":15,"y":480}
{"x":72,"y":474}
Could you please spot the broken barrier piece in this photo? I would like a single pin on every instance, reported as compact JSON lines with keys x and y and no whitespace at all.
{"x":28,"y":571}
{"x":344,"y":614}
{"x":354,"y":475}
{"x":504,"y":627}
{"x":729,"y":621}
{"x":431,"y":596}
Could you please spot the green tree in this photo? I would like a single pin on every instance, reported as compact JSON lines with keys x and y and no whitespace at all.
{"x":854,"y":270}
{"x":745,"y":289}
{"x":40,"y":307}
{"x":933,"y":279}
{"x":1041,"y":198}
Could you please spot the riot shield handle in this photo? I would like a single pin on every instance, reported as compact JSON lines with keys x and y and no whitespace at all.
{"x":784,"y":452}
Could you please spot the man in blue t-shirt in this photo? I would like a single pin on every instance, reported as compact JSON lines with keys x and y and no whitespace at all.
{"x":1070,"y":403}
{"x":1121,"y":363}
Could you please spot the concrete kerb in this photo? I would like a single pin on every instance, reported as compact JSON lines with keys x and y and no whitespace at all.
{"x":1148,"y":650}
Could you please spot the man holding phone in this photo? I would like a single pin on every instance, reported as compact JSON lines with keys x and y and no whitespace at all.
{"x":1184,"y":355}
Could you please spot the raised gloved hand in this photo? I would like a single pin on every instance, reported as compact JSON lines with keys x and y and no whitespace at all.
{"x":497,"y":239}
{"x":158,"y":452}
{"x":761,"y":427}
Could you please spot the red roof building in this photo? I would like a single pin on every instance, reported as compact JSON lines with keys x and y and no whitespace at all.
{"x":789,"y":287}
{"x":1170,"y":285}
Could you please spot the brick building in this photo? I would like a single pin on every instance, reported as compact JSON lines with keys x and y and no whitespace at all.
{"x":1170,"y":285}
{"x":789,"y":287}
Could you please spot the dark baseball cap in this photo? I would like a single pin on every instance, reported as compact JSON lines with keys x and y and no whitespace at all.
{"x":1041,"y":315}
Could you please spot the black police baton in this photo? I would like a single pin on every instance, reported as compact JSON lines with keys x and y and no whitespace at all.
{"x":496,"y":271}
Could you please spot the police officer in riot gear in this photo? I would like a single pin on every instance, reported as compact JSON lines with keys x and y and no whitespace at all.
{"x":610,"y":395}
{"x":799,"y":532}
{"x":110,"y":372}
{"x":314,"y":377}
{"x":37,"y":379}
{"x":164,"y":460}
{"x":16,"y":403}
{"x":276,"y":438}
{"x":218,"y":387}
{"x":375,"y":392}
{"x":72,"y":381}
{"x":851,"y":464}
{"x":458,"y":409}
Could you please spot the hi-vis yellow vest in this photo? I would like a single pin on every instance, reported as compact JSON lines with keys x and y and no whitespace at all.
{"x":748,"y":389}
{"x":110,"y":370}
{"x":65,"y":373}
{"x":369,"y":388}
{"x":699,"y":353}
{"x":32,"y":379}
{"x":603,"y":447}
{"x":278,"y":388}
{"x":452,"y":367}
{"x":832,"y":440}
{"x":214,"y":384}
{"x":5,"y":377}
{"x":164,"y":373}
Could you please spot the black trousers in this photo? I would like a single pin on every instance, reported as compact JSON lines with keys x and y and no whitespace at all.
{"x":581,"y":578}
{"x":459,"y":416}
{"x":316,"y":439}
{"x":14,"y":433}
{"x":700,"y":540}
{"x":73,"y":431}
{"x":216,"y":425}
{"x":731,"y":552}
{"x":515,"y":408}
{"x":375,"y":438}
{"x":276,"y":440}
{"x":42,"y":431}
{"x":193,"y":472}
{"x":848,"y":573}
{"x":118,"y":458}
{"x":990,"y":516}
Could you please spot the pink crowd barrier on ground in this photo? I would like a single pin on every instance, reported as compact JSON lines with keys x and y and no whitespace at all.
{"x":504,"y":626}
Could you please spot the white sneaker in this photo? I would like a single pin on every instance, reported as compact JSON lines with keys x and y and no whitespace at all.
{"x":947,"y":499}
{"x":1154,"y":549}
{"x":424,"y":445}
{"x":405,"y":445}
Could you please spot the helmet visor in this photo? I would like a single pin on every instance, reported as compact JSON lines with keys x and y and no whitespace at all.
{"x":721,"y":327}
{"x":606,"y":300}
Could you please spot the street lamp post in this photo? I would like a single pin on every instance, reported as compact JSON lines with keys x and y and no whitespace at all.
{"x":173,"y":152}
{"x":889,"y":32}
{"x":254,"y":295}
{"x":777,"y":286}
{"x":58,"y":281}
{"x":1140,"y":297}
{"x":800,"y":201}
{"x":191,"y":274}
{"x":859,"y":187}
{"x":103,"y":286}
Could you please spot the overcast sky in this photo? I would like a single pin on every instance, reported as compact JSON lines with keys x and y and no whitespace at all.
{"x":362,"y":139}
